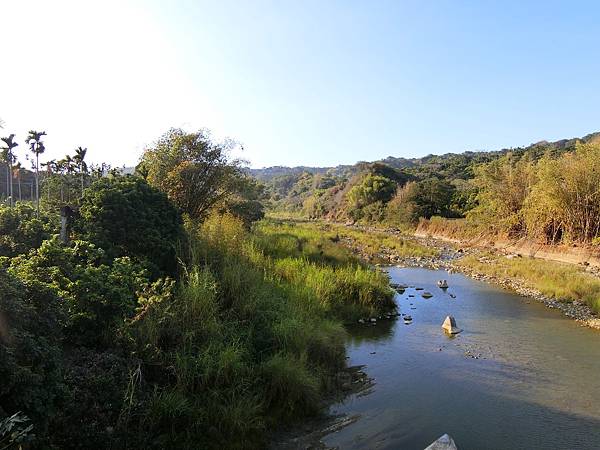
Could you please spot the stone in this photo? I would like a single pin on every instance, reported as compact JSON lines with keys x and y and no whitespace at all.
{"x":427,"y":294}
{"x":449,"y":325}
{"x":443,"y":284}
{"x":445,"y":442}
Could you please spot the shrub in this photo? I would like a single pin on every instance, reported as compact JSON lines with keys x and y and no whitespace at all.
{"x":21,"y":231}
{"x":125,"y":216}
{"x":97,"y":293}
{"x":30,"y":352}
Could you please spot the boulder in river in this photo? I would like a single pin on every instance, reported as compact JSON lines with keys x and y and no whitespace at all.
{"x":443,"y":284}
{"x":443,"y":443}
{"x":449,"y":325}
{"x":426,"y":294}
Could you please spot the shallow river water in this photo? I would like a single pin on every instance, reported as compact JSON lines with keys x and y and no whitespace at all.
{"x":520,"y":375}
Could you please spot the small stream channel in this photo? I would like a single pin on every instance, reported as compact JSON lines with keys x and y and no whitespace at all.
{"x":520,"y":375}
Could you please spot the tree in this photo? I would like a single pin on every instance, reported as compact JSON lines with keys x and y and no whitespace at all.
{"x":503,"y":185}
{"x":371,"y":189}
{"x":126,"y":216}
{"x":17,"y":173}
{"x":564,"y":203}
{"x":246,"y":201}
{"x":8,"y":156}
{"x":34,"y":139}
{"x":433,"y":197}
{"x":79,"y":160}
{"x":191,"y":169}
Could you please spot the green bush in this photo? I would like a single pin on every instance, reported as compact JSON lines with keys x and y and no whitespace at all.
{"x":126,"y":216}
{"x":21,"y":231}
{"x":97,"y":293}
{"x":30,"y":351}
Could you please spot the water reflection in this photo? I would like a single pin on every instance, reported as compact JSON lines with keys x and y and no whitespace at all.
{"x":518,"y":376}
{"x":381,"y":332}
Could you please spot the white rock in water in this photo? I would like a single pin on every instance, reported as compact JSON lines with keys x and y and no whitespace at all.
{"x":449,"y":325}
{"x":443,"y":443}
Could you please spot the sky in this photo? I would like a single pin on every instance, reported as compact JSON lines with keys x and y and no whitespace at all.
{"x":315,"y":83}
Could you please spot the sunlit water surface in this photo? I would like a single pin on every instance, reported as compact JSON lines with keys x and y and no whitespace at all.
{"x":534,"y":385}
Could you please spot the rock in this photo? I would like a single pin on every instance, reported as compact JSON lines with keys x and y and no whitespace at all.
{"x":443,"y":443}
{"x":449,"y":325}
{"x":426,"y":294}
{"x":373,"y":320}
{"x":361,"y":321}
{"x":443,"y":284}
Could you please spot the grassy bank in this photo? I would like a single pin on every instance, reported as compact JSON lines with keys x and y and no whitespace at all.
{"x":312,"y":259}
{"x":251,"y":339}
{"x":321,"y":235}
{"x":563,"y":282}
{"x":248,"y":335}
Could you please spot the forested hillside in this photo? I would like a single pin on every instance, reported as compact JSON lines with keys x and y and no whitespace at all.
{"x":546,"y":190}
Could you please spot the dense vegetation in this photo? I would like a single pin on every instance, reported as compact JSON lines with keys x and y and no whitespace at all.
{"x":170,"y":313}
{"x":168,"y":317}
{"x":549,"y":192}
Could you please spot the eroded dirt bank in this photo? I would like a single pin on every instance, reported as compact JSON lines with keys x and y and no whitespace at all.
{"x":452,"y":250}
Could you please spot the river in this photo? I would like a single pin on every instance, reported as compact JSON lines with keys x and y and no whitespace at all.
{"x":520,"y":375}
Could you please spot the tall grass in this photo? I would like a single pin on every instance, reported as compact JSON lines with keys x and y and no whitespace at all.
{"x":251,"y":338}
{"x":373,"y":242}
{"x":313,"y":259}
{"x":451,"y":228}
{"x":321,"y":241}
{"x":564,"y":282}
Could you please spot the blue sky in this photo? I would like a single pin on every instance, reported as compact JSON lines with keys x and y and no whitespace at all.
{"x":301,"y":82}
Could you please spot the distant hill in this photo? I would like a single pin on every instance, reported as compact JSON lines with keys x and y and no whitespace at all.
{"x":268,"y":173}
{"x":439,"y":183}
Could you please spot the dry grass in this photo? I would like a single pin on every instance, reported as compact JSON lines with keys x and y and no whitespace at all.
{"x":563,"y":282}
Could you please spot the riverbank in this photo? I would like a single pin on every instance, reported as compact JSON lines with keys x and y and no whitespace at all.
{"x":573,"y":289}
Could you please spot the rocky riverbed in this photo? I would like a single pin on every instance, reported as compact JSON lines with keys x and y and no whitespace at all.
{"x":447,"y":258}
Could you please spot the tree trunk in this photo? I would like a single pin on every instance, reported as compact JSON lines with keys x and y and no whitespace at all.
{"x":12,"y":200}
{"x":7,"y":183}
{"x":37,"y":183}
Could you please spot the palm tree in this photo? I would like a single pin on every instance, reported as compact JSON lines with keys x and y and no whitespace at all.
{"x":34,"y":139}
{"x":4,"y":160}
{"x":17,"y":173}
{"x":51,"y":167}
{"x":8,"y":156}
{"x":70,"y":169}
{"x":81,"y":165}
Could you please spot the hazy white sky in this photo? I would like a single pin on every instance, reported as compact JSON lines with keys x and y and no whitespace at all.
{"x":313,"y":82}
{"x":103,"y":75}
